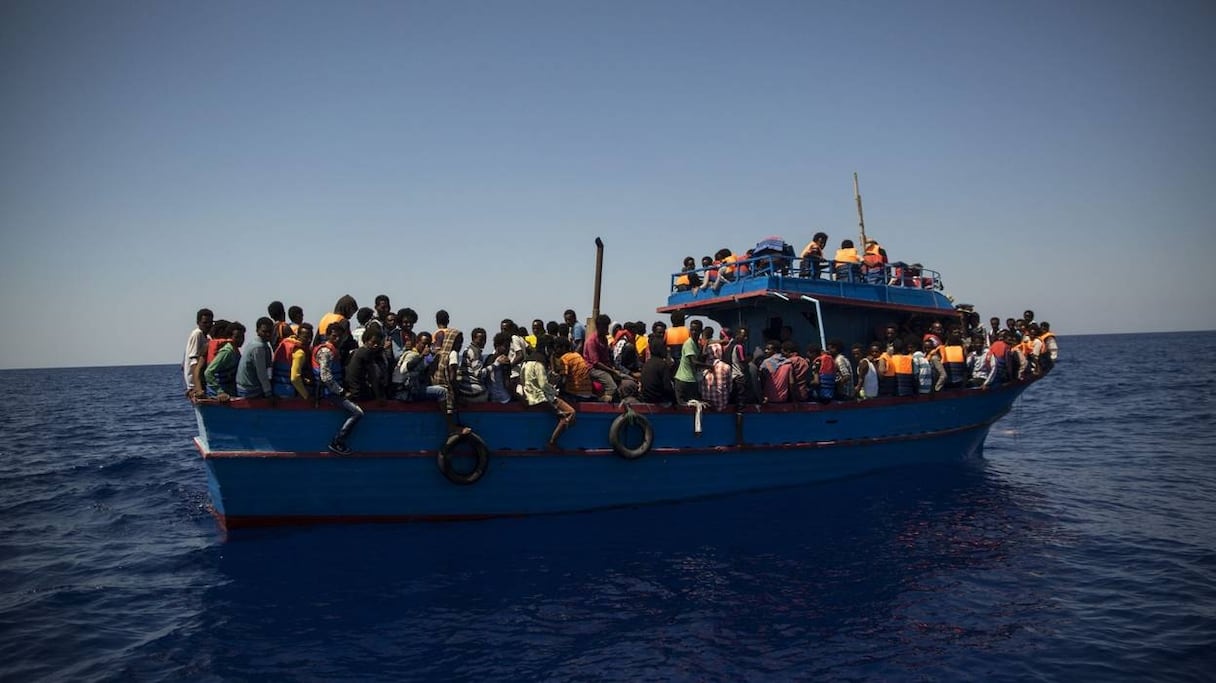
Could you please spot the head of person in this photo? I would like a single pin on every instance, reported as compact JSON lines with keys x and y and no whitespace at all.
{"x":846,"y":244}
{"x":570,"y":317}
{"x":899,"y":347}
{"x":338,"y":332}
{"x":740,"y":334}
{"x":390,"y":321}
{"x":995,"y":323}
{"x":538,"y":326}
{"x":602,"y":323}
{"x":694,"y":329}
{"x":423,"y":342}
{"x":346,"y":306}
{"x":707,"y":334}
{"x":834,"y":346}
{"x":820,"y":238}
{"x":659,"y":327}
{"x":204,"y":319}
{"x":296,"y":315}
{"x":771,"y":347}
{"x":1045,"y":326}
{"x":276,"y":312}
{"x":507,"y":325}
{"x":502,"y":341}
{"x":304,"y":334}
{"x":219,"y":329}
{"x":789,"y":348}
{"x":552,"y":328}
{"x":891,"y":332}
{"x":658,"y":345}
{"x":562,"y":346}
{"x":677,"y":318}
{"x":937,"y":328}
{"x":236,"y":332}
{"x":857,"y":352}
{"x":441,"y":318}
{"x":690,"y":263}
{"x":875,"y":350}
{"x":722,"y":254}
{"x":1028,"y":315}
{"x":478,"y":337}
{"x":373,"y":337}
{"x":382,"y":306}
{"x":264,"y":328}
{"x":407,"y":318}
{"x":706,"y":261}
{"x":363,"y":315}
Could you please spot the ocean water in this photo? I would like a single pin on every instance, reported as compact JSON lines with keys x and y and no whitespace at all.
{"x":1081,"y":547}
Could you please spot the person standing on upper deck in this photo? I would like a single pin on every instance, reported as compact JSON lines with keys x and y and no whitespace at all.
{"x":812,"y":256}
{"x":196,"y":351}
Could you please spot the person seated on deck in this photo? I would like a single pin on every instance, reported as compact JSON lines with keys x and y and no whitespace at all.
{"x":328,"y":374}
{"x":843,"y":391}
{"x":296,"y":315}
{"x":774,"y":374}
{"x":978,"y":367}
{"x":710,"y":269}
{"x":599,"y":359}
{"x":867,"y":371}
{"x":253,"y":370}
{"x":882,"y":360}
{"x":574,"y":371}
{"x":922,"y":367}
{"x":290,"y":367}
{"x":715,"y":382}
{"x":901,"y":362}
{"x":344,"y":309}
{"x":688,"y":279}
{"x":473,"y":373}
{"x":676,"y":335}
{"x":221,"y":371}
{"x":802,"y":378}
{"x":1051,"y":349}
{"x":196,"y":350}
{"x":364,"y":376}
{"x":874,"y":263}
{"x":812,"y":261}
{"x":501,"y":388}
{"x":823,"y":373}
{"x":657,"y":374}
{"x":625,"y":352}
{"x":536,"y":390}
{"x":723,"y":271}
{"x":953,"y":358}
{"x":998,"y":361}
{"x":846,"y":263}
{"x":413,"y":369}
{"x":278,"y":316}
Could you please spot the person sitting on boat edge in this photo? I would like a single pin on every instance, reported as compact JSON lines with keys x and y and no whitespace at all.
{"x":278,"y":316}
{"x":874,"y":263}
{"x":688,"y":279}
{"x":536,"y":390}
{"x":472,"y":373}
{"x":253,"y":370}
{"x":823,"y":373}
{"x":196,"y":350}
{"x":801,"y":374}
{"x":365,"y":374}
{"x":1051,"y":349}
{"x":290,"y":372}
{"x":574,"y":371}
{"x":328,"y":374}
{"x":998,"y":361}
{"x":599,"y":358}
{"x":221,"y":371}
{"x":657,"y":373}
{"x":812,"y":260}
{"x":846,"y":262}
{"x":412,"y":370}
{"x":843,"y":390}
{"x":774,"y":374}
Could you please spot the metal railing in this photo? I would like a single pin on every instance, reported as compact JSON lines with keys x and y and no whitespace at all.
{"x":898,"y":274}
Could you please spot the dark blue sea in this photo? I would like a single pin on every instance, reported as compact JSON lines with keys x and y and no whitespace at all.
{"x":1081,"y":547}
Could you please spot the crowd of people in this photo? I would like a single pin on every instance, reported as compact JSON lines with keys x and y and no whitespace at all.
{"x":871,"y":265}
{"x":356,"y":354}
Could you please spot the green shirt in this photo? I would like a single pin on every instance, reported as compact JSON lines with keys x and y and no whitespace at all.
{"x":688,"y":352}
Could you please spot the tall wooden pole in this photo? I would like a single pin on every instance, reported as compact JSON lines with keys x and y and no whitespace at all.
{"x":599,"y":273}
{"x":861,"y":219}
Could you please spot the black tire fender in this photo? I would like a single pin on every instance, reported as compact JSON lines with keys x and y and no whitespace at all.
{"x":617,"y":431}
{"x":480,"y":450}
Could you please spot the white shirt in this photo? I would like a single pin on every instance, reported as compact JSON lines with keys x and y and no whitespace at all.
{"x":196,"y":347}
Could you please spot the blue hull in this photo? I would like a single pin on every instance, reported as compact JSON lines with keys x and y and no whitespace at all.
{"x":267,"y":465}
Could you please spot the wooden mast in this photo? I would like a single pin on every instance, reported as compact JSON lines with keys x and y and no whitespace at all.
{"x":599,"y":273}
{"x":861,"y":219}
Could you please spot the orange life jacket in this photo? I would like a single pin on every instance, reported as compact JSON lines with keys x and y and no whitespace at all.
{"x":873,"y":257}
{"x":327,"y":320}
{"x":954,"y":354}
{"x":901,"y":363}
{"x":213,"y":347}
{"x":890,"y":365}
{"x":848,"y":255}
{"x":676,"y":336}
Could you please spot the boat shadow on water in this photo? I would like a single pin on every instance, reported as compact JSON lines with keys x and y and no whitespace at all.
{"x":817,"y":576}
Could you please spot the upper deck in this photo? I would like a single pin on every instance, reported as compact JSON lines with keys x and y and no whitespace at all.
{"x":836,"y":285}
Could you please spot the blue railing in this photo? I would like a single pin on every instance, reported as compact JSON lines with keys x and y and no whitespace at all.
{"x":898,"y":274}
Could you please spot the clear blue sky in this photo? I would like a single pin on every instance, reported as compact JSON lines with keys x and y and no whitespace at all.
{"x":163,"y":156}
